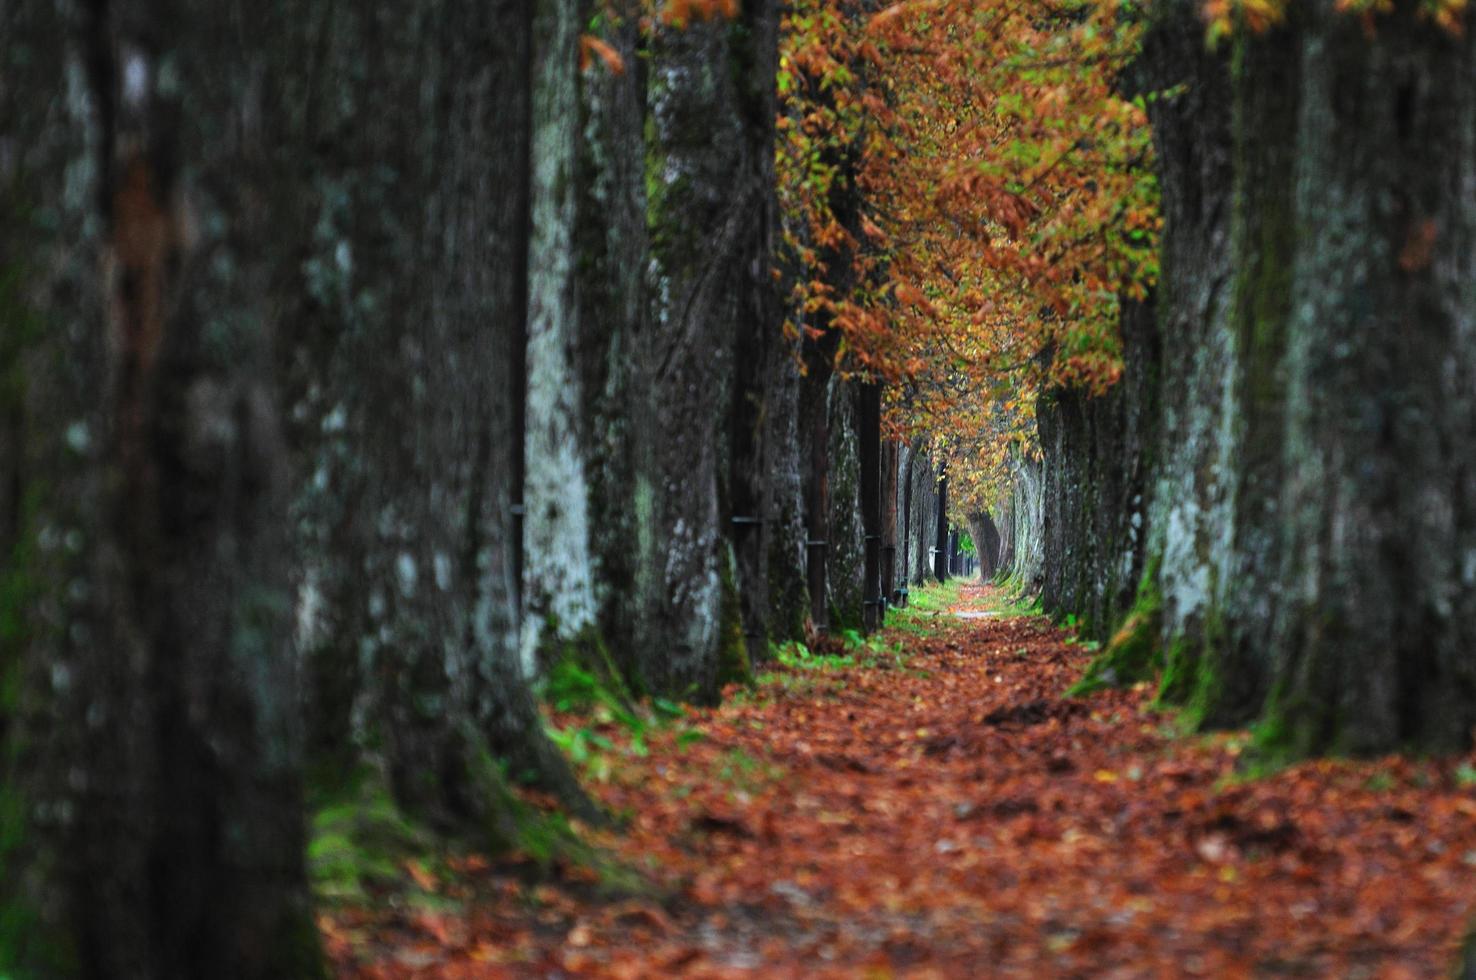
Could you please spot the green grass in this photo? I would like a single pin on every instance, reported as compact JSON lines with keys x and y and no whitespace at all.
{"x":934,"y":597}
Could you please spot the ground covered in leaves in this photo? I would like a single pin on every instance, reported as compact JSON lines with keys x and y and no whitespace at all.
{"x":930,"y":804}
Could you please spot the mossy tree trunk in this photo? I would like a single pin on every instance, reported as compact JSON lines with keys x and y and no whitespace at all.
{"x":710,"y":101}
{"x":408,"y":396}
{"x":612,"y":246}
{"x":1099,"y":452}
{"x":559,"y":608}
{"x":1376,"y":622}
{"x":1338,"y":511}
{"x":1307,"y":557}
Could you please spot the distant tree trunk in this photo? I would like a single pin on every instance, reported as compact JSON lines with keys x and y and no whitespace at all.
{"x":868,"y":418}
{"x":784,"y":515}
{"x":986,"y":542}
{"x":940,"y":542}
{"x":816,"y":415}
{"x":846,"y":554}
{"x":889,"y":454}
{"x":908,"y":454}
{"x":924,"y":518}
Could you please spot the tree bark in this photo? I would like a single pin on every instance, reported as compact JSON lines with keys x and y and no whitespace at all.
{"x":710,"y":100}
{"x":940,"y":537}
{"x":410,"y":393}
{"x":155,"y":568}
{"x":1309,"y":519}
{"x":889,"y":553}
{"x":559,"y":609}
{"x":868,"y":421}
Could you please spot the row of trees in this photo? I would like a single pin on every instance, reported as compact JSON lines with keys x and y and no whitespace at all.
{"x":362,"y":364}
{"x":1274,"y":509}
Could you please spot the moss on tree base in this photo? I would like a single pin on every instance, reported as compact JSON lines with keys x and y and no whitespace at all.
{"x":1134,"y":653}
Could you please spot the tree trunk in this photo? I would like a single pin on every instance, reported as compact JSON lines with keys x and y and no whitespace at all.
{"x":889,"y":459}
{"x":986,"y":543}
{"x":711,"y":105}
{"x":940,"y":537}
{"x":784,"y":515}
{"x":757,"y":466}
{"x":410,"y":392}
{"x":1376,"y":614}
{"x":846,"y":551}
{"x":559,"y":612}
{"x":156,"y":583}
{"x":1311,"y":514}
{"x":612,"y":245}
{"x":816,"y":415}
{"x":905,"y":474}
{"x":868,"y":423}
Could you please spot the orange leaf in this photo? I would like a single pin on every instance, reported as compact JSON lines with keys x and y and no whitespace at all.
{"x":589,"y":46}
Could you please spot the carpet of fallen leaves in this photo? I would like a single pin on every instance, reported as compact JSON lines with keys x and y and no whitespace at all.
{"x":948,"y":813}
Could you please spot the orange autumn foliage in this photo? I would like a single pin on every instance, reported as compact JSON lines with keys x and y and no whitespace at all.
{"x":1007,"y":207}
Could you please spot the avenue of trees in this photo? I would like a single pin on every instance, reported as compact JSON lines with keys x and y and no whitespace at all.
{"x":364,"y":365}
{"x":1274,"y":509}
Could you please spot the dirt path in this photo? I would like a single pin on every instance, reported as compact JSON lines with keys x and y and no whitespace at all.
{"x":948,"y":813}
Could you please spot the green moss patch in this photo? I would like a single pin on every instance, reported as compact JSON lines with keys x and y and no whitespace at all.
{"x":1135,"y":652}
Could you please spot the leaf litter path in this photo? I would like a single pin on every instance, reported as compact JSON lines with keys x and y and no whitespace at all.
{"x":948,"y":813}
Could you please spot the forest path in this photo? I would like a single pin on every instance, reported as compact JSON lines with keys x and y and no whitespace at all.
{"x":929,"y":804}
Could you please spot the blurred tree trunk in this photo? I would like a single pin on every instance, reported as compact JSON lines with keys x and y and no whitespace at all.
{"x":409,"y":389}
{"x":1375,"y":620}
{"x":161,"y":620}
{"x":1352,"y":363}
